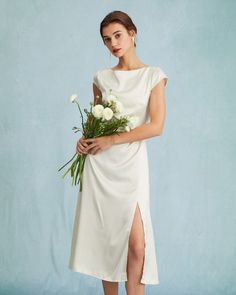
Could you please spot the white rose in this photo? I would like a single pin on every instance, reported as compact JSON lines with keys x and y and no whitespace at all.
{"x":119,"y":107}
{"x":73,"y":97}
{"x":97,"y":110}
{"x":107,"y":113}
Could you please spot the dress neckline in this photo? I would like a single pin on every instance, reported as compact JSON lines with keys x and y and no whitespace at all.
{"x":148,"y":66}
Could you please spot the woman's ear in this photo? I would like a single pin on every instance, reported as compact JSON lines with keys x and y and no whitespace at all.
{"x":131,"y":33}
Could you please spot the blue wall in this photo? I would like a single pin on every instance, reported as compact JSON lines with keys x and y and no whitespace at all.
{"x":51,"y":49}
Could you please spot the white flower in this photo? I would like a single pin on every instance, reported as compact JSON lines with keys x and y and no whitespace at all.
{"x":119,"y":107}
{"x":127,"y":128}
{"x":133,"y":120}
{"x":107,"y":113}
{"x":97,"y":110}
{"x":110,"y":98}
{"x":117,"y":115}
{"x":73,"y":97}
{"x":120,"y":129}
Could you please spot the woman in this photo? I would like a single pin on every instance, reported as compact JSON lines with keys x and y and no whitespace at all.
{"x":113,"y":236}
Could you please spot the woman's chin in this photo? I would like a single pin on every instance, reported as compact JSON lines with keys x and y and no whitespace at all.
{"x":117,"y":54}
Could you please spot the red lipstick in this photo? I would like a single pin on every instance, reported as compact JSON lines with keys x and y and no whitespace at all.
{"x":116,"y":50}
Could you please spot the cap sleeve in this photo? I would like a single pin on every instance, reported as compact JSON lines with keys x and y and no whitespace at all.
{"x":157,"y":76}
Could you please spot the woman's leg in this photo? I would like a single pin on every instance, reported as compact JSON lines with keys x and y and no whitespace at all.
{"x":135,"y":256}
{"x":110,"y":288}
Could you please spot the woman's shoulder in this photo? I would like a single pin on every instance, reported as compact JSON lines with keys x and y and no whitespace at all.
{"x":155,"y":68}
{"x":99,"y":74}
{"x":157,"y":74}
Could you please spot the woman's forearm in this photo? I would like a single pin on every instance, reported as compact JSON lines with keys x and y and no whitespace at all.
{"x":139,"y":133}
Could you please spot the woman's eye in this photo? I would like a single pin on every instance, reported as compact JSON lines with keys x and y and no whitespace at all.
{"x":108,"y":39}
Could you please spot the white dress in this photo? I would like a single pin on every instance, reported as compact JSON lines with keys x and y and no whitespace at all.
{"x":115,"y":180}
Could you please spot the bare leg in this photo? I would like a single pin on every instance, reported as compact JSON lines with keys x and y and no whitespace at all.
{"x":135,"y":256}
{"x":110,"y":288}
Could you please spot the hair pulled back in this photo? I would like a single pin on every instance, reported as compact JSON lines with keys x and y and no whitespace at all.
{"x":120,"y":17}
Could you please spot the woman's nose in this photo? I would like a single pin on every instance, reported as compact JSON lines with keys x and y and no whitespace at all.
{"x":113,"y":43}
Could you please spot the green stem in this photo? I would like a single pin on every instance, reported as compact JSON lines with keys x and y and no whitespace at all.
{"x":68,"y":162}
{"x":82,"y":118}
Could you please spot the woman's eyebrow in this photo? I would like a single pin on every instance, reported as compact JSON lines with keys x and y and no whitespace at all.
{"x":112,"y":34}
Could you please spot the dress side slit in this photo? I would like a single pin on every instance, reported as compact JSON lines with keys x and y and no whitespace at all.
{"x":137,"y":205}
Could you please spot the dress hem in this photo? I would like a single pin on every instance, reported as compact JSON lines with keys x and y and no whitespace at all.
{"x":102,"y":277}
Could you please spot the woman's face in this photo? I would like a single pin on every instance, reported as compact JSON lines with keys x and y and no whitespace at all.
{"x":115,"y":36}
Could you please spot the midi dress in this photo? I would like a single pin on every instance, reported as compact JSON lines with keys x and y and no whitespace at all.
{"x":115,"y":181}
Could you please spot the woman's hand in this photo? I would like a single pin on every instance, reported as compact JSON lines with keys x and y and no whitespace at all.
{"x":81,"y":145}
{"x":98,"y":144}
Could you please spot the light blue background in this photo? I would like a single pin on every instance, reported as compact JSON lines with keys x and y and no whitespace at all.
{"x":51,"y":49}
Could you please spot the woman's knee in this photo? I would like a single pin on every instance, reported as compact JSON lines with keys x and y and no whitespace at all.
{"x":137,"y":251}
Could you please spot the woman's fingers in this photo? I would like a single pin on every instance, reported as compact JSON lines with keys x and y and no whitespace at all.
{"x":80,"y":148}
{"x":84,"y":143}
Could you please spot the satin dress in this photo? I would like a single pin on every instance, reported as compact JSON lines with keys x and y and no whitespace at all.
{"x":115,"y":181}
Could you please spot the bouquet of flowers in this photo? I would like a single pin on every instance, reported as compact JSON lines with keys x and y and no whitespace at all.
{"x":102,"y":119}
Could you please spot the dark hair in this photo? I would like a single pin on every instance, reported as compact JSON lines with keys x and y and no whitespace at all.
{"x":120,"y":17}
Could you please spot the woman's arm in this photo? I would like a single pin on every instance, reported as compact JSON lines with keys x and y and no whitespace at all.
{"x":156,"y":108}
{"x":96,"y":91}
{"x":157,"y":112}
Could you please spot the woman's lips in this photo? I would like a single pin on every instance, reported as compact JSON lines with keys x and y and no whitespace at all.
{"x":116,"y":50}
